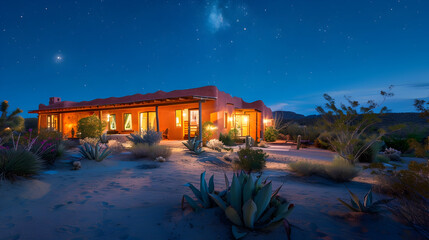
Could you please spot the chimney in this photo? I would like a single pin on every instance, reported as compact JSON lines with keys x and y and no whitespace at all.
{"x":53,"y":100}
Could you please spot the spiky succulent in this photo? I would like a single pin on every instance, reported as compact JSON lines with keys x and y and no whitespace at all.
{"x":368,"y":206}
{"x":250,"y":204}
{"x":94,"y":152}
{"x":202,"y":195}
{"x":103,"y":139}
{"x":194,"y":145}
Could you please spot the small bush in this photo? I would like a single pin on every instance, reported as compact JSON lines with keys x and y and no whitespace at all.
{"x":369,"y":155}
{"x":392,"y":154}
{"x":18,"y":163}
{"x":215,"y":145}
{"x":340,"y":170}
{"x":381,"y":158}
{"x":115,"y":146}
{"x":263,"y":144}
{"x":233,"y":133}
{"x":208,"y":129}
{"x":396,"y":142}
{"x":91,"y":127}
{"x":250,"y":160}
{"x":226,"y":139}
{"x":142,"y":150}
{"x":307,"y":168}
{"x":149,"y":137}
{"x":271,"y":134}
{"x":90,"y":141}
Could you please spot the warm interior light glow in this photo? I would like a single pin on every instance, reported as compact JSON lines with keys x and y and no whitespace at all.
{"x":230,"y":119}
{"x":108,"y":117}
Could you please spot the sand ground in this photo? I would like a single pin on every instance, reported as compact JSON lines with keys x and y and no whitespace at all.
{"x":123,"y":198}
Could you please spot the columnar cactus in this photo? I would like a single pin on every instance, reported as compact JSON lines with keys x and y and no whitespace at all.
{"x":298,"y":142}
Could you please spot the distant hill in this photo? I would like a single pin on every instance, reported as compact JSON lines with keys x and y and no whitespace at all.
{"x":287,"y":115}
{"x":387,"y":119}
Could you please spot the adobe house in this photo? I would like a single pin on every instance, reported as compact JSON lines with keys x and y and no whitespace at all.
{"x":178,"y":114}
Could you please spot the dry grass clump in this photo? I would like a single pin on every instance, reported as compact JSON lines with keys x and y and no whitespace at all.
{"x":307,"y":168}
{"x":90,"y":141}
{"x":142,"y":150}
{"x":115,"y":146}
{"x":338,"y":170}
{"x":411,"y":189}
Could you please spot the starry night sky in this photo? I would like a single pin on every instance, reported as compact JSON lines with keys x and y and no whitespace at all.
{"x":286,"y":53}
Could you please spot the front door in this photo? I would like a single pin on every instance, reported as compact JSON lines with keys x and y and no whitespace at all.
{"x":242,"y":124}
{"x":193,"y":121}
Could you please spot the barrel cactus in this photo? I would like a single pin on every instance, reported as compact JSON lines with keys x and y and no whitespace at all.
{"x":250,"y":204}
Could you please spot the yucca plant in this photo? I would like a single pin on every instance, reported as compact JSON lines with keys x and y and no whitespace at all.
{"x":368,"y":206}
{"x":194,"y":145}
{"x":18,"y":163}
{"x":94,"y":152}
{"x":250,"y":204}
{"x":202,"y":195}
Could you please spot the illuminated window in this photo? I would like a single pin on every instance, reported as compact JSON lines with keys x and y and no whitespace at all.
{"x":178,"y":118}
{"x":242,"y":124}
{"x":52,"y":122}
{"x":112,"y":122}
{"x":128,"y":124}
{"x":225,"y":120}
{"x":147,"y":121}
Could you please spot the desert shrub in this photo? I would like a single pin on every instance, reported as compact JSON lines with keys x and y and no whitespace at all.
{"x":208,"y":129}
{"x":281,"y":136}
{"x":10,"y":122}
{"x":115,"y":146}
{"x":396,"y":142}
{"x":381,"y":158}
{"x":97,"y":152}
{"x":149,"y":137}
{"x":91,"y":127}
{"x":90,"y":141}
{"x":322,"y":142}
{"x":226,"y":139}
{"x":392,"y":154}
{"x":103,"y":138}
{"x":307,"y":168}
{"x":194,"y":145}
{"x":338,"y":170}
{"x":215,"y":145}
{"x":250,"y":160}
{"x":233,"y":133}
{"x":411,"y":188}
{"x":369,"y":154}
{"x":271,"y":134}
{"x":18,"y":163}
{"x":420,"y":149}
{"x":376,"y":165}
{"x":142,"y":150}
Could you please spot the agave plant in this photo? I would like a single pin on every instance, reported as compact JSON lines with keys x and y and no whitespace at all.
{"x":250,"y":204}
{"x":94,"y":152}
{"x":202,"y":195}
{"x":103,"y":139}
{"x":368,"y":206}
{"x":194,"y":145}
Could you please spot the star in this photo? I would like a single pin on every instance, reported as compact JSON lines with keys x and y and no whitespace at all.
{"x":58,"y":58}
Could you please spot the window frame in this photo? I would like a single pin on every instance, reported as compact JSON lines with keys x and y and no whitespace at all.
{"x":125,"y":122}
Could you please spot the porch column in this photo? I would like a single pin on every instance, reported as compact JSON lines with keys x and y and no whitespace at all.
{"x":200,"y":121}
{"x":157,"y":119}
{"x":189,"y":125}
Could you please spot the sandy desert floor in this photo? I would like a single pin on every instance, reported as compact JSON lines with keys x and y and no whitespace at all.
{"x":123,"y":198}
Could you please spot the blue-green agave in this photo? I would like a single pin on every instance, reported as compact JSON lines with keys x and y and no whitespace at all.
{"x":250,"y":204}
{"x":202,"y":195}
{"x":368,"y":206}
{"x":94,"y":152}
{"x":194,"y":145}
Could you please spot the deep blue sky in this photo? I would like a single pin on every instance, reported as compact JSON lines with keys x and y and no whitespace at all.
{"x":287,"y":53}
